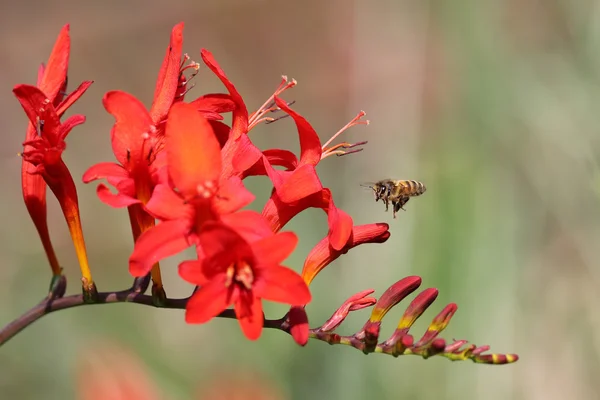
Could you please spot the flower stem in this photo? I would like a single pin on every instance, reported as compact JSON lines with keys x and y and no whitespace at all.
{"x":48,"y":306}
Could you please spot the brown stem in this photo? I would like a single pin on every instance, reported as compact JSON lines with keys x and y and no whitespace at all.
{"x":125,"y":296}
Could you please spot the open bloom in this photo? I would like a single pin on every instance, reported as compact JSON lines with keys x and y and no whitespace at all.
{"x":196,"y":191}
{"x":238,"y":271}
{"x":137,"y":135}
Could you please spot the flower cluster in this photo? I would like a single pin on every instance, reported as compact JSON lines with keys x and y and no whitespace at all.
{"x":180,"y":172}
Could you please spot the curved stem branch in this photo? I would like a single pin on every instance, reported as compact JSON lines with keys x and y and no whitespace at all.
{"x":48,"y":306}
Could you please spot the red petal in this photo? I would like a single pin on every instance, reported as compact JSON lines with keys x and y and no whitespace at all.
{"x":323,"y":254}
{"x":132,"y":121}
{"x":73,"y":97}
{"x":114,"y":200}
{"x":105,"y":170}
{"x":218,"y":239}
{"x":164,"y":240}
{"x":221,"y":131}
{"x":275,"y":249}
{"x":232,"y":196}
{"x":193,"y":152}
{"x":248,"y":310}
{"x":282,"y":285}
{"x":36,"y":104}
{"x":310,"y":145}
{"x":239,"y":124}
{"x":340,"y":224}
{"x":191,"y":271}
{"x":214,"y":102}
{"x":55,"y":72}
{"x":165,"y":204}
{"x":168,"y":77}
{"x":301,"y":183}
{"x":282,"y":158}
{"x":241,"y":153}
{"x":208,"y":301}
{"x":68,"y":125}
{"x":249,"y":224}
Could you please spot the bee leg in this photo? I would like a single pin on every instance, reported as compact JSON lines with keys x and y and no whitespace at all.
{"x":387,"y":205}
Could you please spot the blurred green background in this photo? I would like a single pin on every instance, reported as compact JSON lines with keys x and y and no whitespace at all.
{"x":493,"y":104}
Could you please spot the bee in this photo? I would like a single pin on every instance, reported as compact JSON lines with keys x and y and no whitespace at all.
{"x":397,"y":192}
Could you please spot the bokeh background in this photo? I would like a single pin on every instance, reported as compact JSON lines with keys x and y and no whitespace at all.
{"x":493,"y":104}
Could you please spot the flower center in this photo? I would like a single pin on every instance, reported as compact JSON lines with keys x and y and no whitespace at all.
{"x":240,"y":273}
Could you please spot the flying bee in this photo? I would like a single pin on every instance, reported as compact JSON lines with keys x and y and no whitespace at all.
{"x":397,"y":192}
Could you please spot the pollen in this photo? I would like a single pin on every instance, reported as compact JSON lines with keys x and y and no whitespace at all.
{"x":240,"y":272}
{"x":207,"y":189}
{"x":245,"y":276}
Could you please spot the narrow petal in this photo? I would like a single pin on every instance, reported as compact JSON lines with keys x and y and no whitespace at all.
{"x":232,"y":196}
{"x":248,"y":310}
{"x":165,"y":204}
{"x":168,"y":77}
{"x":191,"y":271}
{"x":303,"y":182}
{"x":239,"y":124}
{"x":310,"y":145}
{"x":132,"y":125}
{"x":208,"y":301}
{"x":282,"y":285}
{"x":105,"y":170}
{"x":55,"y":72}
{"x":214,"y":102}
{"x":117,"y":200}
{"x":73,"y":97}
{"x":275,"y":249}
{"x":66,"y":127}
{"x":282,"y":158}
{"x":164,"y":240}
{"x":340,"y":224}
{"x":323,"y":254}
{"x":193,"y":152}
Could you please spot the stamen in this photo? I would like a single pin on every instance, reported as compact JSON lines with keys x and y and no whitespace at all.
{"x":182,"y":88}
{"x":338,"y":149}
{"x":269,"y":106}
{"x":230,"y":272}
{"x":355,"y":121}
{"x":245,"y":276}
{"x":273,"y":108}
{"x":333,"y":150}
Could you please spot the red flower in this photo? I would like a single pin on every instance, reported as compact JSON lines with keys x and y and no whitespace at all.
{"x":238,"y":271}
{"x":137,"y":141}
{"x":137,"y":136}
{"x":340,"y":223}
{"x":52,"y":80}
{"x":196,"y":191}
{"x":43,"y":147}
{"x":299,"y":187}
